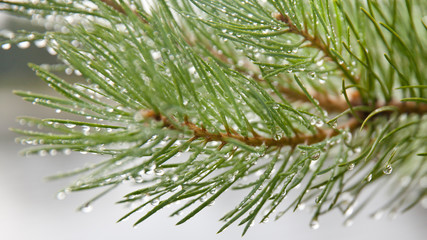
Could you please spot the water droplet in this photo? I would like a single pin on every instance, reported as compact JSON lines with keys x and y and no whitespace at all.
{"x":155,"y":202}
{"x":24,"y":44}
{"x":320,"y":62}
{"x":41,"y":43}
{"x":70,"y":125}
{"x":314,"y":224}
{"x":350,"y":167}
{"x":67,"y":151}
{"x":6,"y":46}
{"x":138,"y":179}
{"x":42,"y":153}
{"x":369,"y":178}
{"x":315,"y":156}
{"x":86,"y":208}
{"x":51,"y":51}
{"x":319,"y":123}
{"x":58,"y":110}
{"x":348,"y":137}
{"x":61,"y":195}
{"x":349,"y":211}
{"x":348,"y":222}
{"x":378,"y":215}
{"x":159,"y":172}
{"x":313,"y":121}
{"x":203,"y":198}
{"x":265,"y":220}
{"x":388,"y":169}
{"x":156,"y":55}
{"x":53,"y":152}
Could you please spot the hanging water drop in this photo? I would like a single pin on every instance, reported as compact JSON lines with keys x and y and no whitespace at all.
{"x":87,"y":208}
{"x":42,"y":153}
{"x":51,"y":51}
{"x":378,"y":215}
{"x":265,"y":220}
{"x":70,"y":125}
{"x":155,"y":202}
{"x":388,"y":169}
{"x":350,"y":167}
{"x":61,"y":195}
{"x":313,"y":121}
{"x":41,"y":43}
{"x":349,"y":211}
{"x":24,"y":45}
{"x":6,"y":46}
{"x":314,"y":224}
{"x":67,"y":151}
{"x":348,"y":222}
{"x":159,"y":172}
{"x":53,"y":152}
{"x":369,"y":178}
{"x":315,"y":156}
{"x":319,"y":123}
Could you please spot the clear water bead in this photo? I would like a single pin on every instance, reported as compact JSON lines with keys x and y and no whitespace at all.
{"x":265,"y":220}
{"x":41,"y":43}
{"x":155,"y":202}
{"x":388,"y":169}
{"x":348,"y":222}
{"x":61,"y":195}
{"x":314,"y":224}
{"x":24,"y":44}
{"x":67,"y":151}
{"x":6,"y":46}
{"x":315,"y":156}
{"x":378,"y":215}
{"x":86,"y":208}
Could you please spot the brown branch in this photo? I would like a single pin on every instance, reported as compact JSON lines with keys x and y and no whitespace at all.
{"x":257,"y":140}
{"x":316,"y":42}
{"x":113,"y":4}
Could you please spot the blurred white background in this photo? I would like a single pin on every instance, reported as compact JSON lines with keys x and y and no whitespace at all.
{"x":29,"y":209}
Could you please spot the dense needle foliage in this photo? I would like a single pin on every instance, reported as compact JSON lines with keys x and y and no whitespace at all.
{"x":317,"y":100}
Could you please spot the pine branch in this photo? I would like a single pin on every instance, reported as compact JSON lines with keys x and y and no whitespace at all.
{"x":244,"y":89}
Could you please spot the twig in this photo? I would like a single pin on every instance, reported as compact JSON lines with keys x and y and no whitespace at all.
{"x":316,"y":42}
{"x":113,"y":4}
{"x":257,"y":140}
